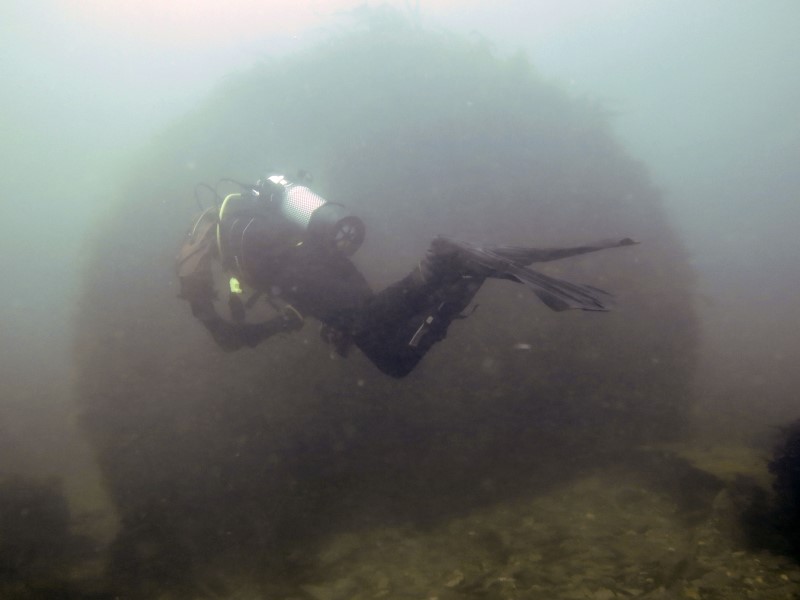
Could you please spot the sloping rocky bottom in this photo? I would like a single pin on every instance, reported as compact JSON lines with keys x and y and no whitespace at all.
{"x":658,"y":529}
{"x":660,"y":526}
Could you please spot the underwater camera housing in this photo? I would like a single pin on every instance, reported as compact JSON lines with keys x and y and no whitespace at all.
{"x":329,"y":224}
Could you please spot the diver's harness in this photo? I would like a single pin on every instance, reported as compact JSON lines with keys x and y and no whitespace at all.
{"x":296,"y":216}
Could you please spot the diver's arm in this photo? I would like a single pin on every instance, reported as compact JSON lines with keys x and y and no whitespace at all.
{"x":232,"y":336}
{"x":197,"y":288}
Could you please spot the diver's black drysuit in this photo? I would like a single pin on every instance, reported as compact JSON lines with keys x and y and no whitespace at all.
{"x":395,"y":327}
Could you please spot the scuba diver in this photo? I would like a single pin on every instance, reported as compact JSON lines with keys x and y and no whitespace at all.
{"x":279,"y":241}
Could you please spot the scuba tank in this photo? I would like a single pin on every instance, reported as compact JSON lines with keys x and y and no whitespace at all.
{"x":274,"y":216}
{"x":325,"y":223}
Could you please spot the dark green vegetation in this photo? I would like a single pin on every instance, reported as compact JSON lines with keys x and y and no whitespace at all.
{"x":242,"y":463}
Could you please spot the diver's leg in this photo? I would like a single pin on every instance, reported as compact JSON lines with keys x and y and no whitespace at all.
{"x":402,"y":322}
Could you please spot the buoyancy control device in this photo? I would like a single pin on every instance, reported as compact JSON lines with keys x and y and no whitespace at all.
{"x":264,"y":219}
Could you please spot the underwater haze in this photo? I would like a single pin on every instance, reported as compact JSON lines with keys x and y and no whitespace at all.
{"x":642,"y":452}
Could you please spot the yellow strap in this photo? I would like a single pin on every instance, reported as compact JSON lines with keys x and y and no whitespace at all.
{"x":219,"y":222}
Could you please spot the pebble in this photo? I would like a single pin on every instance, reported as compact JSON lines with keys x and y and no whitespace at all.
{"x":456,"y":578}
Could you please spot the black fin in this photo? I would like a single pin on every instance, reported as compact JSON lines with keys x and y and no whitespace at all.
{"x":523,"y":255}
{"x":509,"y":262}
